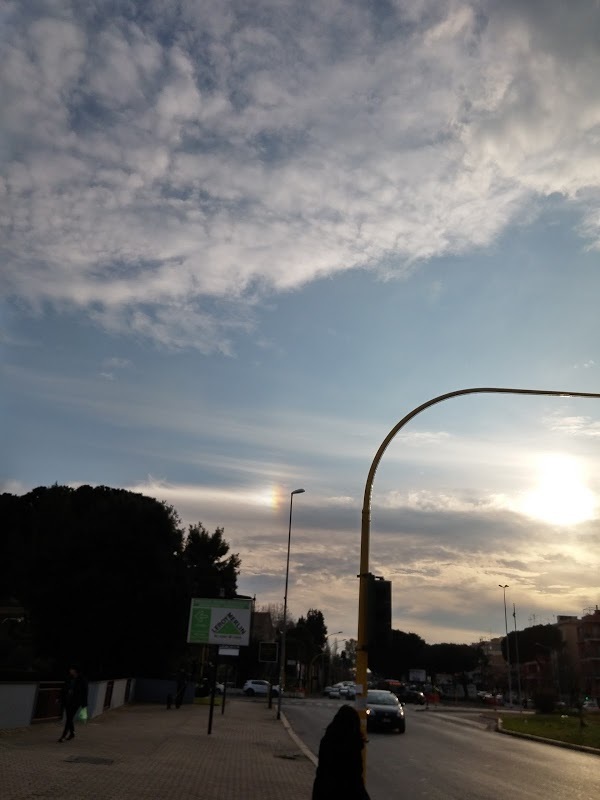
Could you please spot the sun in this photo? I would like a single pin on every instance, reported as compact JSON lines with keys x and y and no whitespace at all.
{"x":560,"y":496}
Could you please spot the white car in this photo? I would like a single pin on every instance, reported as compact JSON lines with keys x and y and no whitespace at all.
{"x":253,"y":688}
{"x":347,"y":689}
{"x":591,"y":705}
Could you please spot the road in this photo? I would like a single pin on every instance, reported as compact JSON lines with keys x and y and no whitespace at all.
{"x":449,"y":756}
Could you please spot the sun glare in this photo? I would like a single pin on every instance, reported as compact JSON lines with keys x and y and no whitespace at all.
{"x":560,"y":496}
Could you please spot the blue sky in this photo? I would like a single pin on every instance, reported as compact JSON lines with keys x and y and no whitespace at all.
{"x":241,"y":241}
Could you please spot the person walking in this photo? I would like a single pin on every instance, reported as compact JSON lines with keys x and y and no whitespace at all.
{"x":340,"y":769}
{"x":73,"y":697}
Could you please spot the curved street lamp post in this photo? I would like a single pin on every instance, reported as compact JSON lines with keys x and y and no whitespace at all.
{"x":361,"y":650}
{"x":284,"y":632}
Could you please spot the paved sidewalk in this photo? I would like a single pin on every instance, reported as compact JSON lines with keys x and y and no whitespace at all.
{"x":144,"y":752}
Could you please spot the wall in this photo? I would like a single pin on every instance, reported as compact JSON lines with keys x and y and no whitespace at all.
{"x":23,"y":703}
{"x":16,"y":704}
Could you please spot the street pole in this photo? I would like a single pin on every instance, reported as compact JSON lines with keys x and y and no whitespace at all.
{"x":282,"y":664}
{"x":504,"y":588}
{"x":517,"y":657}
{"x":362,"y":659}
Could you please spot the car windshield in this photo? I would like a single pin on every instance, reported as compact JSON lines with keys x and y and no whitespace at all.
{"x":382,"y":699}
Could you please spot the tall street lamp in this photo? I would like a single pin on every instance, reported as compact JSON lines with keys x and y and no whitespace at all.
{"x":284,"y":632}
{"x":504,"y":587}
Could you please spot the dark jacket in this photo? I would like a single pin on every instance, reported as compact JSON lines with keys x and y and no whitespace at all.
{"x":75,"y":692}
{"x":339,"y":774}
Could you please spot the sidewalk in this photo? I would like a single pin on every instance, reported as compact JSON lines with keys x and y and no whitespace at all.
{"x":144,"y":752}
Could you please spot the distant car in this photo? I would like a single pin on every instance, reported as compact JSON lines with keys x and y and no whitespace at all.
{"x":591,"y":705}
{"x":254,"y":687}
{"x":384,"y":711}
{"x":411,"y":696}
{"x":347,"y":689}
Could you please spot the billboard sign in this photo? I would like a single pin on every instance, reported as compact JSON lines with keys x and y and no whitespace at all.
{"x":219,"y":621}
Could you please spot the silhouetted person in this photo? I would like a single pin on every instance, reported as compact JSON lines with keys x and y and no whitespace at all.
{"x":74,"y":696}
{"x":340,"y":770}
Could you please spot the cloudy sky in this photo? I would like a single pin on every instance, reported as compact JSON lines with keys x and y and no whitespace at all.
{"x":241,"y":240}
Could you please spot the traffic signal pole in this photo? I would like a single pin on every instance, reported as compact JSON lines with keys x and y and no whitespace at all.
{"x":362,"y":656}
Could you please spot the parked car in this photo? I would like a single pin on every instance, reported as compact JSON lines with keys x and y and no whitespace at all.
{"x":255,"y":687}
{"x":591,"y":705}
{"x":384,"y":711}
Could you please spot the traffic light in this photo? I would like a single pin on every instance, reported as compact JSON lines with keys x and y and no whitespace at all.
{"x":379,"y":608}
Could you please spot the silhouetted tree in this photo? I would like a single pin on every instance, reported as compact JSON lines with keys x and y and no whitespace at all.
{"x":452,"y":658}
{"x":101,"y":575}
{"x":210,"y":571}
{"x":535,"y":643}
{"x":405,"y":651}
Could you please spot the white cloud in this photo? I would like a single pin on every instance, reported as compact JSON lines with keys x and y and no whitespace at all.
{"x":145,"y":180}
{"x":574,"y":425}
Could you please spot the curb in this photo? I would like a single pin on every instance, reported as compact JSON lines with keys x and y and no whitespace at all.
{"x":298,"y":742}
{"x":556,"y":742}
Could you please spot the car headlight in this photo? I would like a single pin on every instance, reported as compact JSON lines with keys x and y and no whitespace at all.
{"x":369,"y":712}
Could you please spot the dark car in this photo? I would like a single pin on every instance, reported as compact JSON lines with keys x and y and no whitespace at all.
{"x":412,"y":696}
{"x":384,"y":711}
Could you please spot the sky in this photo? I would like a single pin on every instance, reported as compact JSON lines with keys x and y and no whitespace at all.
{"x":240,"y":241}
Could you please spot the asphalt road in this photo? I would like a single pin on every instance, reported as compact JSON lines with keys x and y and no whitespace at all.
{"x":448,"y":756}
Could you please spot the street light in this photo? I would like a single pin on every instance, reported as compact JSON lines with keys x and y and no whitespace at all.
{"x":362,"y":659}
{"x":504,"y":587}
{"x":284,"y":632}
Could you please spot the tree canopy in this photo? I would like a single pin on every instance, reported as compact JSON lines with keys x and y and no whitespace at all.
{"x":105,"y":577}
{"x":210,"y":572}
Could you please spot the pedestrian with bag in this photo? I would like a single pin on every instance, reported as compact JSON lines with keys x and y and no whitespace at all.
{"x":340,"y":769}
{"x":74,"y":696}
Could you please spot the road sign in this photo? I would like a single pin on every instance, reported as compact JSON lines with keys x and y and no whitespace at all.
{"x":219,"y":621}
{"x":228,"y":650}
{"x":267,"y":652}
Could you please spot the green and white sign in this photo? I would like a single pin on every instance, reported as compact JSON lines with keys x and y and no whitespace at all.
{"x":216,"y":621}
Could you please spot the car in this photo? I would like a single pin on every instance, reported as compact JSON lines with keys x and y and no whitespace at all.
{"x":384,"y":711}
{"x":411,"y":696}
{"x":255,"y":687}
{"x":590,"y":705}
